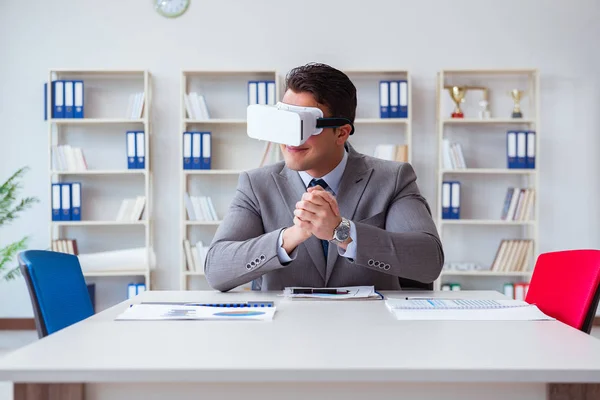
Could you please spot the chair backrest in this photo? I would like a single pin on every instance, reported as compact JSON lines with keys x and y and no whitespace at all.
{"x":566,"y":285}
{"x":57,"y":288}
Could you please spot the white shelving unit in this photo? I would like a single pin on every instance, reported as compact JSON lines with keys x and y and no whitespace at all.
{"x":372,"y":130}
{"x":101,"y":134}
{"x":476,"y":236}
{"x":232,"y":151}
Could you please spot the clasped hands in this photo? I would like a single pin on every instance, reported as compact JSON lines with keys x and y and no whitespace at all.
{"x":317,"y":213}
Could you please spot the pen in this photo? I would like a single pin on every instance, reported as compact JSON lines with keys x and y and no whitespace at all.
{"x":318,"y":291}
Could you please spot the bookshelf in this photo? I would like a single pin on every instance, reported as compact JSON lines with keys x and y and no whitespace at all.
{"x":475,"y":238}
{"x":371,"y":130}
{"x":232,"y":152}
{"x":106,"y":180}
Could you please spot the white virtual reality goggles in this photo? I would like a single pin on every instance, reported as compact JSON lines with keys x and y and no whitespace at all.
{"x":288,"y":124}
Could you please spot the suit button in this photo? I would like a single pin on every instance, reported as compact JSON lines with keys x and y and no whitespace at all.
{"x":371,"y":263}
{"x":257,"y":260}
{"x":376,"y":264}
{"x":387,"y":266}
{"x":248,"y":266}
{"x":263,"y":257}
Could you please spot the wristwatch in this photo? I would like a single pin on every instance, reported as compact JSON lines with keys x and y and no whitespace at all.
{"x":342,"y":232}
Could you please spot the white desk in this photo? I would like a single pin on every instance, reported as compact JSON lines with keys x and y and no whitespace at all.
{"x":319,"y":350}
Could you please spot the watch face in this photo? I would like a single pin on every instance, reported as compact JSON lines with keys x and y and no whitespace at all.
{"x":342,"y":232}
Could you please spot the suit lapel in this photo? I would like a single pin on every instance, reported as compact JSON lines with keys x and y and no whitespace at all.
{"x":292,"y":188}
{"x":353,"y":184}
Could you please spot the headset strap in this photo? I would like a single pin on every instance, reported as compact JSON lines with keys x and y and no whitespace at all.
{"x":334,"y":123}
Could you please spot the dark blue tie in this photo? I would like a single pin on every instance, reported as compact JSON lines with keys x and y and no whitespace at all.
{"x":323,"y":184}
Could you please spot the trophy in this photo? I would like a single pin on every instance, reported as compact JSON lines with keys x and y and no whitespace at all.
{"x":516,"y":96}
{"x":458,"y":95}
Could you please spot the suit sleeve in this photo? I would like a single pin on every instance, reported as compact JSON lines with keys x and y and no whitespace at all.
{"x":241,"y":250}
{"x":409,"y":246}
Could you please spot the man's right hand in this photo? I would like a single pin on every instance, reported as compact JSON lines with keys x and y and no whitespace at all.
{"x":293,"y":236}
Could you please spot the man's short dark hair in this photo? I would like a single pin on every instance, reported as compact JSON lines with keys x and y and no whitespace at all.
{"x":329,"y":87}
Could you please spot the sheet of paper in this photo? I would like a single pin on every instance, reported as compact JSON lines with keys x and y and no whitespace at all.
{"x":528,"y":313}
{"x":453,"y":304}
{"x":347,"y":293}
{"x":150,"y":312}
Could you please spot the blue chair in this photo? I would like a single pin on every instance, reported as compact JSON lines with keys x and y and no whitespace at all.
{"x":57,"y":288}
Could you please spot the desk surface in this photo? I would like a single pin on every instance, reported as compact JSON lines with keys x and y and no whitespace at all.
{"x":308,"y":340}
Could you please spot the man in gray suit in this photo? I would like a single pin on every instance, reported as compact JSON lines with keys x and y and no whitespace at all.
{"x":327,"y":216}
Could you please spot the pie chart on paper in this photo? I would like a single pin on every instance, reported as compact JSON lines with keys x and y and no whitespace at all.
{"x":239,"y":313}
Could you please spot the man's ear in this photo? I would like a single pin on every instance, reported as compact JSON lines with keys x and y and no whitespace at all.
{"x":342,"y":133}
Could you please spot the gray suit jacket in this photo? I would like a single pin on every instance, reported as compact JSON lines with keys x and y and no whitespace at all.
{"x":396,"y":236}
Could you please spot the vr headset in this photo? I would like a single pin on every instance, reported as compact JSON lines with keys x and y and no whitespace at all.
{"x":287,"y":124}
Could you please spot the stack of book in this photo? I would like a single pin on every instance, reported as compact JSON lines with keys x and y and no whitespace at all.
{"x":195,"y":105}
{"x":68,"y":246}
{"x":512,"y":255}
{"x":132,"y":209}
{"x":518,"y":204}
{"x":195,"y":256}
{"x":67,"y":158}
{"x":391,"y":152}
{"x":200,"y":208}
{"x":452,"y":155}
{"x":135,"y":107}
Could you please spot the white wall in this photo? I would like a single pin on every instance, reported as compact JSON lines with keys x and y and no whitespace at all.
{"x":558,"y":37}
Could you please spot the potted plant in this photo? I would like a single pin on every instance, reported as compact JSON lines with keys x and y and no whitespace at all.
{"x":10,"y":207}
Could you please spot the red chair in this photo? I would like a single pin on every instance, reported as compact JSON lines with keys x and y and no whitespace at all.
{"x":566,"y":285}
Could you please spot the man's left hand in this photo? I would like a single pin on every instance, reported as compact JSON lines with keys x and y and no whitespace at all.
{"x":318,"y":212}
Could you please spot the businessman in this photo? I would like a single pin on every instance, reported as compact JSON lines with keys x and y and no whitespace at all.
{"x":327,"y":216}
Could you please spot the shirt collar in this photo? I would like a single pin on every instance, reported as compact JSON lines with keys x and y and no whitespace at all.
{"x":332,"y":179}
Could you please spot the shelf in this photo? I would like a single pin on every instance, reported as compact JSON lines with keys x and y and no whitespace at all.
{"x":99,"y":71}
{"x":213,"y":171}
{"x":102,"y":172}
{"x":115,"y":273}
{"x":491,"y":71}
{"x":484,"y":273}
{"x":217,"y":121}
{"x":193,"y":273}
{"x":381,"y":121}
{"x":490,"y":171}
{"x":484,"y":222}
{"x":99,"y":223}
{"x":95,"y":121}
{"x":207,"y":223}
{"x":470,"y":121}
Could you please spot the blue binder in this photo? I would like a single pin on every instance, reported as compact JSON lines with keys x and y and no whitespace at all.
{"x":252,"y":92}
{"x":76,"y":201}
{"x":394,"y":98}
{"x":384,"y":99}
{"x":56,"y":202}
{"x":131,"y":290}
{"x":196,"y":150}
{"x":140,"y":150}
{"x":511,"y":149}
{"x":79,"y":101}
{"x":403,"y":99}
{"x":206,"y":150}
{"x":446,"y":199}
{"x":65,"y":201}
{"x":455,"y":200}
{"x":58,"y":97}
{"x":187,"y":150}
{"x":69,"y":98}
{"x":130,"y":149}
{"x":530,"y":162}
{"x":140,"y":288}
{"x":522,"y":149}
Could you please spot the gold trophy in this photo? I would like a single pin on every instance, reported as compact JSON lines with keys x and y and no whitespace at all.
{"x":458,"y":95}
{"x":517,"y":95}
